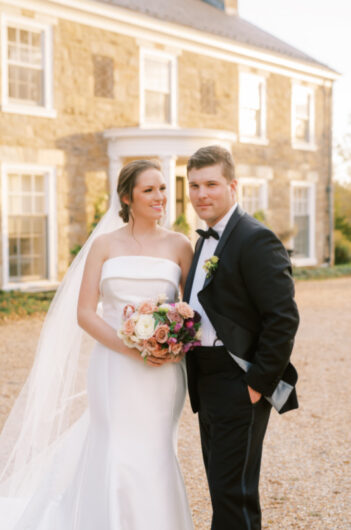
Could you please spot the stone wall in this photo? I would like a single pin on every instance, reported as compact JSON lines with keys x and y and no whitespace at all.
{"x":207,"y":98}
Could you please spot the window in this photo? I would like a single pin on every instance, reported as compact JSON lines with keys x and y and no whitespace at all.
{"x":208,"y":96}
{"x":180,"y":196}
{"x":27,"y":59}
{"x":28,"y":225}
{"x":103,"y":76}
{"x":157,"y":89}
{"x":253,"y":194}
{"x":252,"y":113}
{"x":303,"y":208}
{"x":302,"y":115}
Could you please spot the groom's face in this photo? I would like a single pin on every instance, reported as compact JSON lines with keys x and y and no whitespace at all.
{"x":211,"y":194}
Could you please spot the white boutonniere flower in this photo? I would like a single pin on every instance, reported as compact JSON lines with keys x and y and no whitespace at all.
{"x":210,"y":265}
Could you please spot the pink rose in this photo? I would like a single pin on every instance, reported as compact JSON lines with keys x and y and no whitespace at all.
{"x":174,"y":316}
{"x":154,"y":348}
{"x":147,"y":307}
{"x":176,"y":349}
{"x":189,"y":324}
{"x":172,"y":340}
{"x":184,"y":310}
{"x":128,"y":311}
{"x":129,"y":327}
{"x":162,"y":333}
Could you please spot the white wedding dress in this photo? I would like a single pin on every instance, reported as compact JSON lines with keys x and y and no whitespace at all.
{"x":122,"y":453}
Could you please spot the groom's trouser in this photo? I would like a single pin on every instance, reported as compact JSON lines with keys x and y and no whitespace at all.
{"x":232,"y":432}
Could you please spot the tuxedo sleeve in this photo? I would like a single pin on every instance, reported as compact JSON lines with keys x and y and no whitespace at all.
{"x":266,"y":270}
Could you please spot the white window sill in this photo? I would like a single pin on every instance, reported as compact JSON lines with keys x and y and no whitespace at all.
{"x":28,"y":110}
{"x":304,"y":146}
{"x":304,"y":262}
{"x":252,"y":140}
{"x":43,"y":285}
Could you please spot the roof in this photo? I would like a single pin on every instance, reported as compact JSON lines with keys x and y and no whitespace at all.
{"x":200,"y":15}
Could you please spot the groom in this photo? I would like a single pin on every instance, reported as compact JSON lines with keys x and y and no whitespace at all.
{"x":245,"y":296}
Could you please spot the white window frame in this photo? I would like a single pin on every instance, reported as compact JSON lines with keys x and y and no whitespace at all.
{"x":261,"y":139}
{"x":259,"y":182}
{"x":311,"y":258}
{"x":296,"y":143}
{"x":145,"y":53}
{"x":46,"y":109}
{"x":50,"y":194}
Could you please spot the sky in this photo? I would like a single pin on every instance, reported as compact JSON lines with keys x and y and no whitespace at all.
{"x":321,"y":28}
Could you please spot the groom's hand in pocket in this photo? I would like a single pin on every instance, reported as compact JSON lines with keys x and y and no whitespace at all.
{"x":254,"y":395}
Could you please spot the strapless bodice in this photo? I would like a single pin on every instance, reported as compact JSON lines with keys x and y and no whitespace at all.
{"x":132,"y":279}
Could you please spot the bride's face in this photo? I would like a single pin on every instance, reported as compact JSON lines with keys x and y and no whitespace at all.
{"x":149,"y":195}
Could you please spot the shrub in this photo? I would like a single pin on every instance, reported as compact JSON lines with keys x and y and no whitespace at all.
{"x":342,"y":248}
{"x":181,"y":225}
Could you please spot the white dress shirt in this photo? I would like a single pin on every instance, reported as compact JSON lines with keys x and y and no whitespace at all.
{"x":209,"y":335}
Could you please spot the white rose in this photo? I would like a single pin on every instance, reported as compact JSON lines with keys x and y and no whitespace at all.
{"x":198,"y":334}
{"x":166,"y":307}
{"x":144,"y":328}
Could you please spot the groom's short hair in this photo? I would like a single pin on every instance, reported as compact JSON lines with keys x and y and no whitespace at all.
{"x":211,"y":156}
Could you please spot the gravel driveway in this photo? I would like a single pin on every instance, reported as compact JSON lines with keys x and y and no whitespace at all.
{"x":306,"y":474}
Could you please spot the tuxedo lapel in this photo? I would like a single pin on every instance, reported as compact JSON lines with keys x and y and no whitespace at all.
{"x":190,"y":278}
{"x":238,"y":213}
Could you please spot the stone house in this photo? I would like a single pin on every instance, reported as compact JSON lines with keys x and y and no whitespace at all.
{"x":87,"y":85}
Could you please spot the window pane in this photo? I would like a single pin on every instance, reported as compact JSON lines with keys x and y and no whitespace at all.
{"x":26,"y":182}
{"x":14,"y":204}
{"x":39,"y":183}
{"x":25,"y":267}
{"x":13,"y":246}
{"x":25,"y":246}
{"x":301,"y":221}
{"x":157,"y":75}
{"x":250,"y":95}
{"x":302,"y":129}
{"x":251,"y":198}
{"x":39,"y":204}
{"x":301,"y":240}
{"x":13,"y":271}
{"x":11,"y":34}
{"x":26,"y":204}
{"x":302,"y":103}
{"x":250,"y":122}
{"x":14,"y":182}
{"x":157,"y":107}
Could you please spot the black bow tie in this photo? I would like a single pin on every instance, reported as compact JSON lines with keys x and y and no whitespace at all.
{"x":208,"y":233}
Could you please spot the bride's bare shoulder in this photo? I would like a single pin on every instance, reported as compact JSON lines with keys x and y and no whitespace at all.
{"x":102,"y":244}
{"x":178,"y":240}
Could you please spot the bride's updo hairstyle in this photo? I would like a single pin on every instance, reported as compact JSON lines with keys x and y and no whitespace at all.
{"x":127,"y":180}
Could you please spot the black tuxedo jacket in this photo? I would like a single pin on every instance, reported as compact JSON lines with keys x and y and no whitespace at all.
{"x":249,"y":300}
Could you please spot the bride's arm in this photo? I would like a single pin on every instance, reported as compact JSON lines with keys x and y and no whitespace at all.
{"x":185,"y":258}
{"x":88,"y":300}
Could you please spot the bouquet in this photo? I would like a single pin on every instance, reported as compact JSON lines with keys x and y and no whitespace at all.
{"x":160,"y":329}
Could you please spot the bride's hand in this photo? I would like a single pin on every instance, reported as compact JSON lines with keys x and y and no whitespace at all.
{"x":159,"y":361}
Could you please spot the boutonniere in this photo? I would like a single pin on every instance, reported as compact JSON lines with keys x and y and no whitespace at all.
{"x":210,"y":265}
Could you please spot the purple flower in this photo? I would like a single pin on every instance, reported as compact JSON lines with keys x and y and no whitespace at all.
{"x":172,"y":340}
{"x":177,"y":327}
{"x":197,"y":316}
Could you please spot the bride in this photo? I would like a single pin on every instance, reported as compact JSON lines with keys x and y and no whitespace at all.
{"x":99,"y":452}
